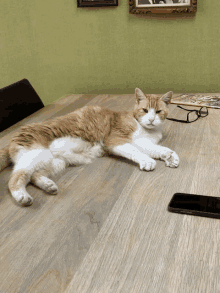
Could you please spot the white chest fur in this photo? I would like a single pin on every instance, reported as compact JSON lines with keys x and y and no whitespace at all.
{"x":152,"y":135}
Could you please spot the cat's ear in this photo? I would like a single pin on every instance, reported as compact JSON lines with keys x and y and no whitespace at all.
{"x":167,"y":97}
{"x":139,"y":95}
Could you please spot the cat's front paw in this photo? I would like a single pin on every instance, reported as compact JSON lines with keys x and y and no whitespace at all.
{"x":147,"y":164}
{"x":171,"y":159}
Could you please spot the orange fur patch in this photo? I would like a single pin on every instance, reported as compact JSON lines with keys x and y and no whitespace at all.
{"x":17,"y":180}
{"x":4,"y":158}
{"x":151,"y":101}
{"x":93,"y":124}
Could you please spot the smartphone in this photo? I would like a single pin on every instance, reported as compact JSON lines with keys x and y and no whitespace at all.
{"x":194,"y":204}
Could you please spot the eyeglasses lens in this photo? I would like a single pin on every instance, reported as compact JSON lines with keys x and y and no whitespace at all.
{"x":203,"y":111}
{"x":192,"y":116}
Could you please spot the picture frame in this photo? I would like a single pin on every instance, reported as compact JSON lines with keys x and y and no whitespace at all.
{"x":162,"y":6}
{"x":96,"y":3}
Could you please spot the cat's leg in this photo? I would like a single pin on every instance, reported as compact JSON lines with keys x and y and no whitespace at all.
{"x":170,"y":158}
{"x":17,"y":186}
{"x":40,"y":179}
{"x":131,"y":152}
{"x":75,"y":159}
{"x":75,"y":151}
{"x":26,"y":162}
{"x":86,"y":156}
{"x":165,"y":154}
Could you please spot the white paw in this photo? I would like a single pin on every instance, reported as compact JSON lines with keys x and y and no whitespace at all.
{"x":87,"y":160}
{"x":50,"y":187}
{"x":147,"y":164}
{"x":171,"y":159}
{"x":22,"y":197}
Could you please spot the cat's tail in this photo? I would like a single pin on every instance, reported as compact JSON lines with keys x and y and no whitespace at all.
{"x":4,"y":158}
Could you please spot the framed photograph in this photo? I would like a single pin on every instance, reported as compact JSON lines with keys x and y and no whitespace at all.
{"x":96,"y":3}
{"x":162,"y":6}
{"x":198,"y":100}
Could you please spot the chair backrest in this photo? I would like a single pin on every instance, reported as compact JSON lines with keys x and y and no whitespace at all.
{"x":17,"y":101}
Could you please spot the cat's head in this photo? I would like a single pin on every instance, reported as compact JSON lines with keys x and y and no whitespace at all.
{"x":151,"y":110}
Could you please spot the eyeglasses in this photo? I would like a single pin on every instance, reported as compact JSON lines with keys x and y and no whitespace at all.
{"x":193,"y":115}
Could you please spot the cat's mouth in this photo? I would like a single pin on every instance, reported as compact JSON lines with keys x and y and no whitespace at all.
{"x":147,"y":125}
{"x":150,"y":125}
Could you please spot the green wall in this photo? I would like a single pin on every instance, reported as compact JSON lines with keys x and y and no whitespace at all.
{"x":64,"y":49}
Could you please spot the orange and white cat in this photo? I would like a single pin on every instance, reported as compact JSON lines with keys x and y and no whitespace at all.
{"x":47,"y":148}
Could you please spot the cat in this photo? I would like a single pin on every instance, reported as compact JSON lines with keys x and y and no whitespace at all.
{"x":39,"y":150}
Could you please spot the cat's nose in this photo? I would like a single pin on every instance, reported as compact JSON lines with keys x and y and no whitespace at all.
{"x":151,"y":119}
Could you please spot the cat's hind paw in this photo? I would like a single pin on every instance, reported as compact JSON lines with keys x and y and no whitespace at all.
{"x":22,"y":197}
{"x":50,"y":187}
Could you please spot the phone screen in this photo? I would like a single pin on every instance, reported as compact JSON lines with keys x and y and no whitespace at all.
{"x":195,"y":204}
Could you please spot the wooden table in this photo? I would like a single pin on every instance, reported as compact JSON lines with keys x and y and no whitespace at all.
{"x":108,"y":229}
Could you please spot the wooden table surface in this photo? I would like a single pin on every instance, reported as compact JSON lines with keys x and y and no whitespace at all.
{"x":108,"y":228}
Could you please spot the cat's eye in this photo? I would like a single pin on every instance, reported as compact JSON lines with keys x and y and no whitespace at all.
{"x":145,"y":110}
{"x":159,"y":111}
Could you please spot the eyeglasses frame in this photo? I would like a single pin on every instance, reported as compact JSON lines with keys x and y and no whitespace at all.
{"x":198,"y":112}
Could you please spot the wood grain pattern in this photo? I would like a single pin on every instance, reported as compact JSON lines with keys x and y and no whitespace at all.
{"x":108,"y":229}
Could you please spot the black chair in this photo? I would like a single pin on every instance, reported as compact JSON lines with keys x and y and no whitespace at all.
{"x":17,"y":101}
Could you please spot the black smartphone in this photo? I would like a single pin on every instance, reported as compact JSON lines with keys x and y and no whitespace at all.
{"x":194,"y":204}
